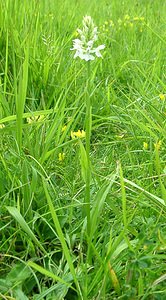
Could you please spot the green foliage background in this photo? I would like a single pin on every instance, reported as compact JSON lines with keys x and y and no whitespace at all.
{"x":44,"y":248}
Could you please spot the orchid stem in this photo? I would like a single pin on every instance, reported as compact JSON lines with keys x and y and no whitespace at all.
{"x":88,"y":135}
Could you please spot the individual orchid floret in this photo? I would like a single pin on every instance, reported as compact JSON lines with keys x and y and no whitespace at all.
{"x":84,"y":47}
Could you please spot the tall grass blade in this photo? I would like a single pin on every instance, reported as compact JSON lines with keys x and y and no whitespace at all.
{"x":21,"y":96}
{"x":61,"y":237}
{"x":99,"y":203}
{"x":47,"y":273}
{"x":19,"y":218}
{"x":123,"y":197}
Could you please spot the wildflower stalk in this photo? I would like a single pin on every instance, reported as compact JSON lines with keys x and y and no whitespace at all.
{"x":86,"y":50}
{"x":88,"y":135}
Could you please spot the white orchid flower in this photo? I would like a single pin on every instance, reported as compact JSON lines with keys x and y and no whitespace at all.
{"x":84,"y":46}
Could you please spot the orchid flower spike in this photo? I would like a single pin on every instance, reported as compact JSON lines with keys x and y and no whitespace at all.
{"x":84,"y":46}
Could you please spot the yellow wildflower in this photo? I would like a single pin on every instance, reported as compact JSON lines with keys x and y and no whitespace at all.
{"x":119,"y":22}
{"x":130,"y":24}
{"x":61,"y":156}
{"x":35,"y":119}
{"x":72,"y":135}
{"x":136,"y":18}
{"x":158,"y":145}
{"x":127,"y":17}
{"x":111,"y":23}
{"x":145,"y":145}
{"x":76,"y":33}
{"x":64,"y":128}
{"x":77,"y":134}
{"x":162,"y":97}
{"x":80,"y":134}
{"x":2,"y":126}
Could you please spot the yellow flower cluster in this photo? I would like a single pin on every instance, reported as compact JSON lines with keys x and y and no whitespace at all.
{"x":61,"y":156}
{"x":74,"y":135}
{"x":77,"y":134}
{"x":64,"y":128}
{"x":107,"y":26}
{"x":2,"y":126}
{"x":145,"y":146}
{"x":157,"y":145}
{"x":35,"y":119}
{"x":126,"y":21}
{"x":162,"y":97}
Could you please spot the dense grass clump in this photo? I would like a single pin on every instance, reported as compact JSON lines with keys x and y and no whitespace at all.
{"x":60,"y":240}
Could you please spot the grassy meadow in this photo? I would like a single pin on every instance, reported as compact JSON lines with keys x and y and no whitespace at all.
{"x":78,"y":220}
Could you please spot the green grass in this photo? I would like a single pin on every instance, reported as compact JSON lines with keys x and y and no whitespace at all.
{"x":66,"y":233}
